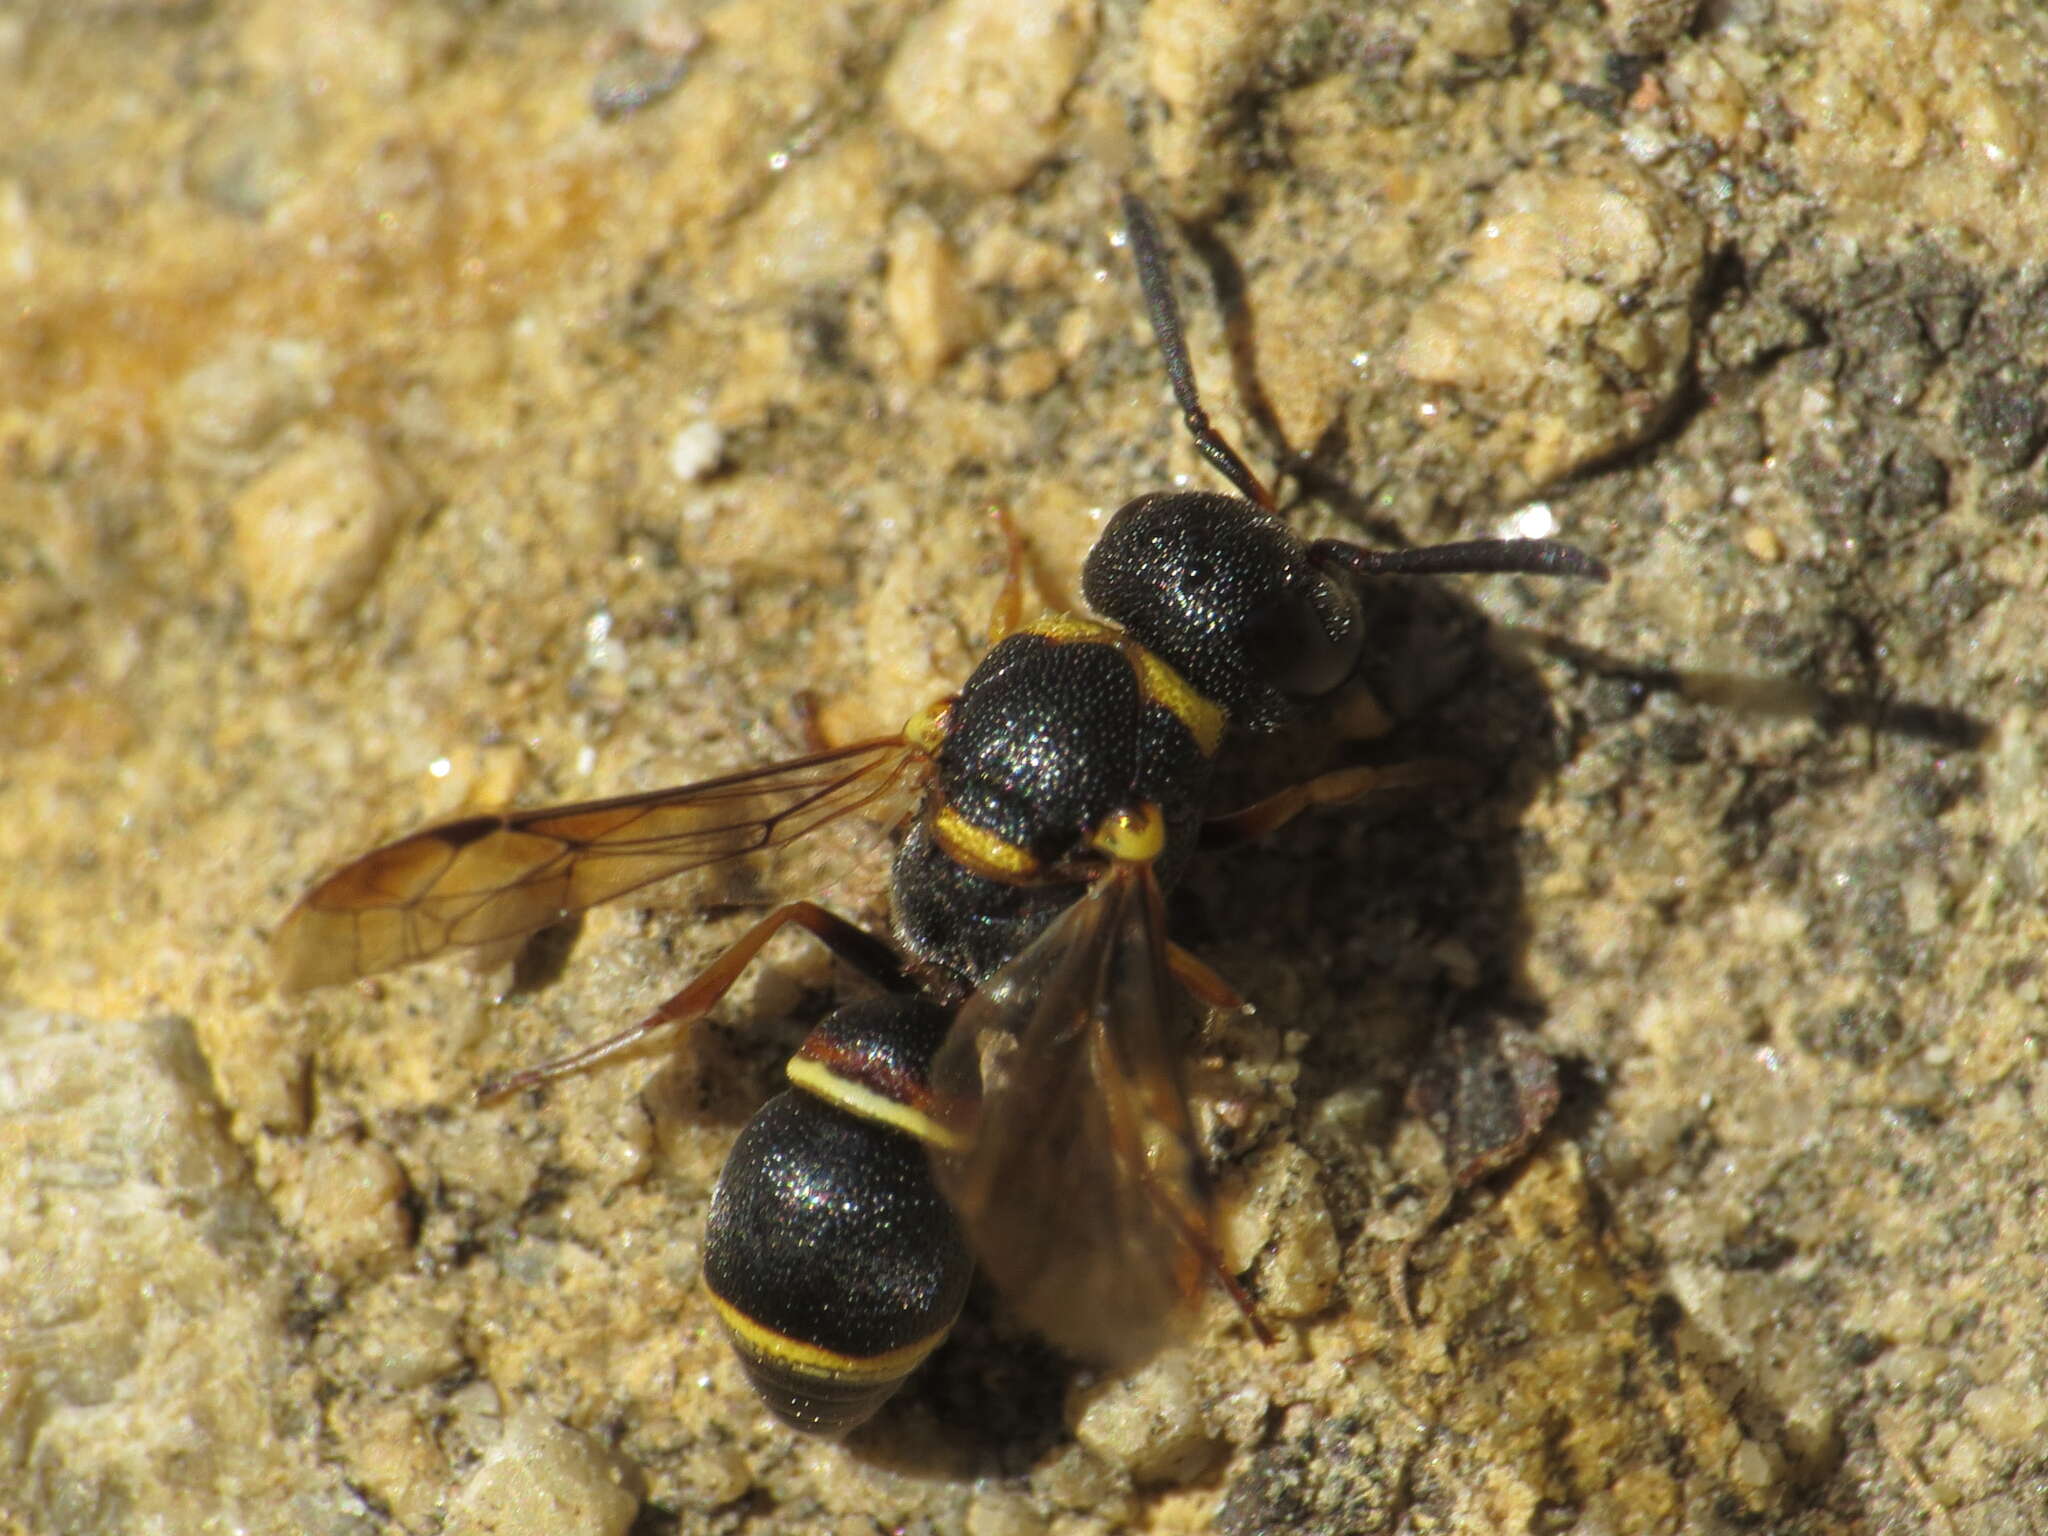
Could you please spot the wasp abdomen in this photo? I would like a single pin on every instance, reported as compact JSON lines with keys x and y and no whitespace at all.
{"x":965,"y":925}
{"x":835,"y":1263}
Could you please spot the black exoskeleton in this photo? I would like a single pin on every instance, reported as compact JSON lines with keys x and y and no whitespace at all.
{"x":1016,"y":1094}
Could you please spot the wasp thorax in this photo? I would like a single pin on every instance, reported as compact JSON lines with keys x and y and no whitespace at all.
{"x":1229,"y":597}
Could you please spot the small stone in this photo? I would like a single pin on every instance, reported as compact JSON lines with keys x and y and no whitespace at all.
{"x":1569,"y":320}
{"x":1202,"y":57}
{"x":931,"y":311}
{"x":716,"y":1475}
{"x":261,"y":1071}
{"x":1763,"y":544}
{"x":1027,"y":374}
{"x":1284,"y":1227}
{"x":2003,"y":417}
{"x":981,"y":83}
{"x":141,"y":1362}
{"x":1710,"y":100}
{"x":1813,"y":1438}
{"x":349,"y":1206}
{"x":391,"y":1454}
{"x":612,"y":1151}
{"x":2007,"y":1415}
{"x":1241,"y":1416}
{"x":412,"y":1338}
{"x":1001,"y":1512}
{"x":1648,"y":26}
{"x":696,"y":451}
{"x":542,"y":1478}
{"x":1149,"y":1422}
{"x":1475,"y":29}
{"x":644,"y":69}
{"x":2015,"y":499}
{"x":821,"y":226}
{"x":1912,"y":1368}
{"x":366,"y":46}
{"x":253,"y":387}
{"x":1755,"y":1466}
{"x":1072,"y":1478}
{"x":313,"y":531}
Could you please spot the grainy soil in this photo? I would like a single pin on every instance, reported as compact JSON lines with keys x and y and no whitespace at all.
{"x":406,"y":408}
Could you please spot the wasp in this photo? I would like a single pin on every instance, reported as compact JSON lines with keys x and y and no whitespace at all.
{"x":1012,"y":1098}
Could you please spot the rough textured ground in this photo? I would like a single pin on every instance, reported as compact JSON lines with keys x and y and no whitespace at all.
{"x":407,"y":407}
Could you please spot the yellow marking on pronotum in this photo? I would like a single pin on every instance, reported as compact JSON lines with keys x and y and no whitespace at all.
{"x":1158,"y":683}
{"x":1136,"y":836}
{"x":820,"y":1364}
{"x":1065,"y":629}
{"x":979,"y":850}
{"x":1170,"y":691}
{"x":816,"y":1078}
{"x":926,"y":730}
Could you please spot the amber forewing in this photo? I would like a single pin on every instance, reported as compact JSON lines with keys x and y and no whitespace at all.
{"x":488,"y":879}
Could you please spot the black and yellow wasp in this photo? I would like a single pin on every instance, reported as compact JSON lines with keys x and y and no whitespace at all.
{"x":1013,"y":1097}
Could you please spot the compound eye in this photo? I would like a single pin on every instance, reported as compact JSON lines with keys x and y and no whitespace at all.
{"x":1306,"y":641}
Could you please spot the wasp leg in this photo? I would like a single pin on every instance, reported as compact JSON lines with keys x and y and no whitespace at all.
{"x":808,"y":712}
{"x":1401,"y":1260}
{"x":855,"y":945}
{"x":1247,"y":1309}
{"x":1008,"y":617}
{"x":1202,"y":983}
{"x":1337,"y":788}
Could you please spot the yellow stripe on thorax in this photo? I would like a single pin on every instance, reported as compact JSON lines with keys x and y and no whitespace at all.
{"x":977,"y":849}
{"x":1158,"y":683}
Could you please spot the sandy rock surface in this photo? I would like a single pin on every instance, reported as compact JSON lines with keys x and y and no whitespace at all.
{"x":408,"y":408}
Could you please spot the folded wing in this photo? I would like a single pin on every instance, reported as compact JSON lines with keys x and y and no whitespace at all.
{"x":1084,"y":1193}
